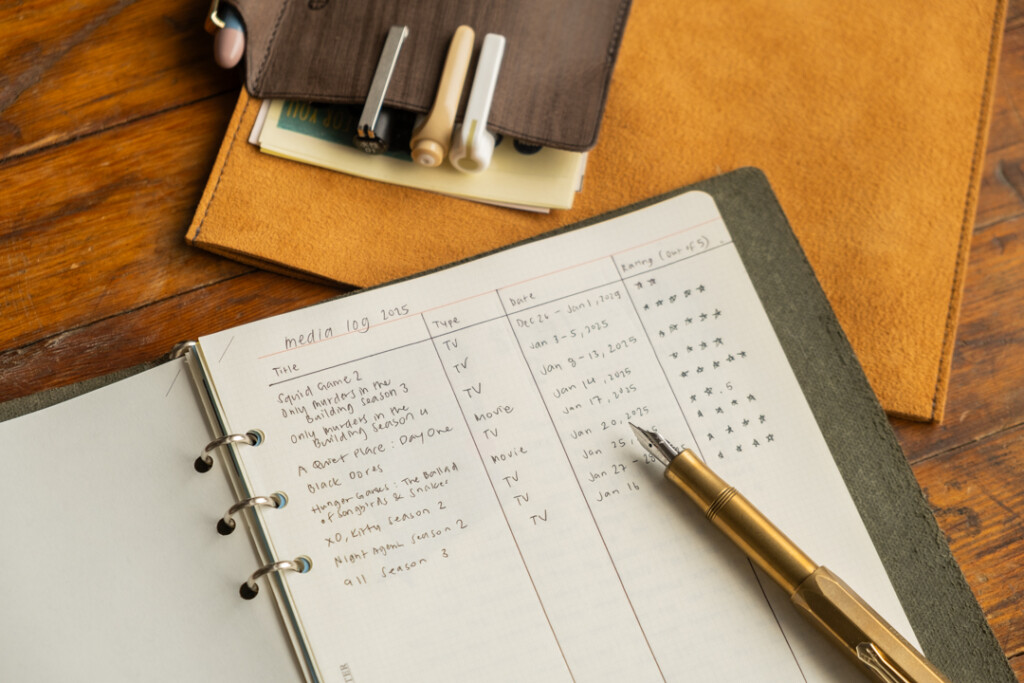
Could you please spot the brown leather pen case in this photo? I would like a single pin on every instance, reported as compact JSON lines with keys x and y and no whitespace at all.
{"x":551,"y":89}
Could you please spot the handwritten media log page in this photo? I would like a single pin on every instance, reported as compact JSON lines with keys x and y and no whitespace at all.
{"x":459,"y":468}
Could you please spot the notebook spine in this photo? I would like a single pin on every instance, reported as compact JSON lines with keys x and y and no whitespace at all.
{"x":227,"y":445}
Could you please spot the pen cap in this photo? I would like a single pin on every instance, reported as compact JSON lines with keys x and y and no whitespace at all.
{"x":743,"y":523}
{"x":473,"y":144}
{"x":828,"y":603}
{"x":430,"y":141}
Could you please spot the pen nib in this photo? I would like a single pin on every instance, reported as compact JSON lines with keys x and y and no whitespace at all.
{"x":655,"y":444}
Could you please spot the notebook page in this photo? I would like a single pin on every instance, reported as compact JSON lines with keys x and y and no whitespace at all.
{"x":460,"y":471}
{"x":114,"y":570}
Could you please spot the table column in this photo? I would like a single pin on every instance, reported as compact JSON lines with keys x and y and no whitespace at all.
{"x":595,"y":368}
{"x":542,"y":501}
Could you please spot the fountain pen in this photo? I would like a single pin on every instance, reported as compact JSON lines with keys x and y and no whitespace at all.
{"x":818,"y":594}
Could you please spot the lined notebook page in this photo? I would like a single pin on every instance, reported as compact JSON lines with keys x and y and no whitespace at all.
{"x":460,"y":471}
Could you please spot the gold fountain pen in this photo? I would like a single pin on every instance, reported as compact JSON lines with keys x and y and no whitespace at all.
{"x":817,"y":593}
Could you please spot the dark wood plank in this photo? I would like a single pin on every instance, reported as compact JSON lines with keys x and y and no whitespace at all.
{"x":1002,"y":193}
{"x":96,"y":227}
{"x":71,"y":68}
{"x":149,"y":332}
{"x":1015,"y":14}
{"x":1002,"y":186}
{"x":986,"y":393}
{"x":978,"y":500}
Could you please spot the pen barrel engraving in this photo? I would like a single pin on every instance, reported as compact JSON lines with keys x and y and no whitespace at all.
{"x":827,"y":602}
{"x":737,"y":518}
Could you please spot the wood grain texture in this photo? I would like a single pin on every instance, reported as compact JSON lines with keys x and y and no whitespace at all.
{"x":1002,"y":193}
{"x":110,"y":117}
{"x":98,"y":224}
{"x":152,"y":330}
{"x":982,"y":519}
{"x":73,"y":68}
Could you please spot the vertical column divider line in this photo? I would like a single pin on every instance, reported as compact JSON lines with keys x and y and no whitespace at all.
{"x":682,"y":412}
{"x":497,"y":499}
{"x":661,"y":367}
{"x":597,"y":527}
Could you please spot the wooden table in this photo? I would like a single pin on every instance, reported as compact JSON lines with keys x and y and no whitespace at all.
{"x":110,"y":117}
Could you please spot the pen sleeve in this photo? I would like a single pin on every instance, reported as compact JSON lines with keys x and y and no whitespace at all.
{"x":555,"y":76}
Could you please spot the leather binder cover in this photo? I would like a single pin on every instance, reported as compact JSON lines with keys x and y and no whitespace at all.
{"x":949,"y":624}
{"x":870,"y":119}
{"x":553,"y":81}
{"x":939,"y":604}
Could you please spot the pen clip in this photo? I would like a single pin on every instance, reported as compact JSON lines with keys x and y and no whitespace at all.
{"x":369,"y":134}
{"x":876,"y":662}
{"x":213,"y":21}
{"x":472,"y":144}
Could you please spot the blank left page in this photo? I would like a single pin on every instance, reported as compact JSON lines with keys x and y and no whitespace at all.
{"x":114,"y":569}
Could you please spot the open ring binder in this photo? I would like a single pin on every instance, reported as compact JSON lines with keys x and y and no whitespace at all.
{"x":205,"y":461}
{"x":250,"y":588}
{"x":269,"y":561}
{"x":226,"y":524}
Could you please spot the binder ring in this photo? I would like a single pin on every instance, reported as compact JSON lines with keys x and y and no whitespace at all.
{"x":182,"y":348}
{"x":250,"y":588}
{"x":251,"y":438}
{"x":226,"y":524}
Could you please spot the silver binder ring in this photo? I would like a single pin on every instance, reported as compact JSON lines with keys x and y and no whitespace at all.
{"x":250,"y":588}
{"x":182,"y":348}
{"x":226,"y":524}
{"x":205,"y":461}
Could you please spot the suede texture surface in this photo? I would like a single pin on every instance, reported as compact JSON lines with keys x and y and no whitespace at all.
{"x":870,"y":121}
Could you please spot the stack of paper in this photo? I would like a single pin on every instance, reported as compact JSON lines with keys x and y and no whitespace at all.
{"x":321,"y":135}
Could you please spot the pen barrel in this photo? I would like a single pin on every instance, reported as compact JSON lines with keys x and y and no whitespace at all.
{"x":738,"y":519}
{"x":431,"y":140}
{"x":827,"y":602}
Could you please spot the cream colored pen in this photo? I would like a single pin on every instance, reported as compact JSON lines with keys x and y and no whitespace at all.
{"x":432,"y":138}
{"x":817,"y":593}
